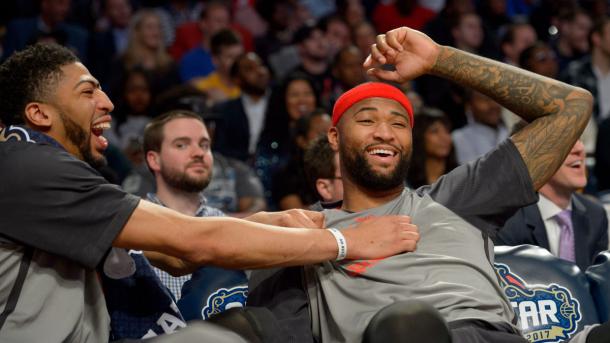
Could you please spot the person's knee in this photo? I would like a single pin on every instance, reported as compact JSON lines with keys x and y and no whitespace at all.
{"x":407,"y":321}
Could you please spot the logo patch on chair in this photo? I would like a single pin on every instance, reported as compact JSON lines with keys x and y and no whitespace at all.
{"x":224,"y":299}
{"x":547,"y":313}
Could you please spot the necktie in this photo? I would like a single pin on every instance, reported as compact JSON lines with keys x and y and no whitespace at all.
{"x":566,"y":236}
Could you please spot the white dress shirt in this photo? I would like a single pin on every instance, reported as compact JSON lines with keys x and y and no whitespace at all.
{"x":255,"y":111}
{"x":548,"y":211}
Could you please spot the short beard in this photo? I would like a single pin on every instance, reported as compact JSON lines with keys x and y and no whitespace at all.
{"x":183,"y":182}
{"x":79,"y":138}
{"x":362,"y":173}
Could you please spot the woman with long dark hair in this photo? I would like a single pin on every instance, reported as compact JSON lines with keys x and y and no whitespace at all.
{"x":433,"y":152}
{"x":293,"y":99}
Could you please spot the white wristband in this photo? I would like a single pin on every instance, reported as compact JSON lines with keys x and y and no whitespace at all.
{"x":341,"y":243}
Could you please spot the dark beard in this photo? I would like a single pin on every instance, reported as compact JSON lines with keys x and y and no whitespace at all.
{"x":79,"y":138}
{"x":183,"y":182}
{"x":362,"y":173}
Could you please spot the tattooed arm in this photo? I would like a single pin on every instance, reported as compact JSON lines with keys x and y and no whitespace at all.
{"x":557,"y":112}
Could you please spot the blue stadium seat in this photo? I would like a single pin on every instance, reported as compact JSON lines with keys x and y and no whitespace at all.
{"x":599,"y":279}
{"x":550,"y":296}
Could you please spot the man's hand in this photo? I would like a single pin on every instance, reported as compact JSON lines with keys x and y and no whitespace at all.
{"x":381,"y":237}
{"x":411,"y":52}
{"x":290,"y":218}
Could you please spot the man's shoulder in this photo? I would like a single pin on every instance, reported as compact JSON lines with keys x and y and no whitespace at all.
{"x":35,"y":153}
{"x":588,"y":204}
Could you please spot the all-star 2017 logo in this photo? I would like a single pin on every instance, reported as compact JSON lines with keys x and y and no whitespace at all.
{"x":224,"y":299}
{"x":547,"y":313}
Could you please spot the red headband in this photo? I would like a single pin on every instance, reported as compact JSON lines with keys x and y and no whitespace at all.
{"x":370,"y":90}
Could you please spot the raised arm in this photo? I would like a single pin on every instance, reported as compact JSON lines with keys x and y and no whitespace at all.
{"x":235,"y":243}
{"x":557,"y":112}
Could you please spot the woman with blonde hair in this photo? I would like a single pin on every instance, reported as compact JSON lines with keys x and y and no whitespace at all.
{"x":146,"y":49}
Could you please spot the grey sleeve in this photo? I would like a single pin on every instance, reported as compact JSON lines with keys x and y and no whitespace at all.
{"x":247,"y":184}
{"x":60,"y":205}
{"x":487,"y":191}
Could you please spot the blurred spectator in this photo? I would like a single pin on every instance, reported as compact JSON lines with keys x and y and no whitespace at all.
{"x":293,"y":99}
{"x":438,"y":28}
{"x":314,"y":53}
{"x":592,"y":72}
{"x":602,"y":157}
{"x":239,"y":128}
{"x":110,"y":41}
{"x":433,"y":154}
{"x":494,"y":16}
{"x":572,"y":41}
{"x":467,"y":32}
{"x":364,"y":36}
{"x":190,"y":35}
{"x":322,"y":170}
{"x":290,"y":186}
{"x":561,"y":212}
{"x":278,"y":14}
{"x":146,"y":49}
{"x":197,"y":62}
{"x":351,"y":11}
{"x":540,"y":59}
{"x":516,"y":38}
{"x":51,"y":21}
{"x":235,"y":189}
{"x":219,"y":85}
{"x":397,"y":13}
{"x":338,"y":34}
{"x":347,"y":72}
{"x":133,"y":110}
{"x":484,"y":131}
{"x":544,"y":16}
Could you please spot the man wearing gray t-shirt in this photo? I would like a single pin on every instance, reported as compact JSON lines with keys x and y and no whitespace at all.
{"x":451,"y":268}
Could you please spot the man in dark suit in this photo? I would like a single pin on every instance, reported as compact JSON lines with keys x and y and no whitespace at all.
{"x":241,"y":123}
{"x":566,"y":223}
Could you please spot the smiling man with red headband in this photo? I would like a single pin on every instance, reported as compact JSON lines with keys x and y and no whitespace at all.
{"x":449,"y":276}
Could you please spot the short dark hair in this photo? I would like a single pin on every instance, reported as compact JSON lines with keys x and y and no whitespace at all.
{"x":223,"y":38}
{"x":305,"y":32}
{"x":318,"y":161}
{"x":30,"y":75}
{"x":153,"y":132}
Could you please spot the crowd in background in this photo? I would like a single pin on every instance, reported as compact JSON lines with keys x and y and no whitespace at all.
{"x":264,"y":75}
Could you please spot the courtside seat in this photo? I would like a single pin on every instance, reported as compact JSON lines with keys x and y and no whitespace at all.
{"x":599,"y":279}
{"x":550,"y":296}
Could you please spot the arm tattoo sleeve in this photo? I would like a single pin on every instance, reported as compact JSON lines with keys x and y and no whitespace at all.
{"x":557,"y":112}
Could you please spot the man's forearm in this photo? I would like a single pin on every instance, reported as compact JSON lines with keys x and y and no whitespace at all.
{"x":558,"y":112}
{"x":223,"y":241}
{"x":527,"y":94}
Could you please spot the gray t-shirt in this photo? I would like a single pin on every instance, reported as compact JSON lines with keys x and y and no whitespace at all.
{"x":451,"y":267}
{"x":58,"y":219}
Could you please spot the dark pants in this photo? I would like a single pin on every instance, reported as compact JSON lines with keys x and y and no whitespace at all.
{"x":477,"y":331}
{"x":418,"y":322}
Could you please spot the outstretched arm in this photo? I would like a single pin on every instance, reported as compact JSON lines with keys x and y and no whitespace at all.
{"x":557,"y":112}
{"x":248,"y":244}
